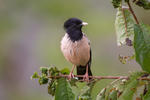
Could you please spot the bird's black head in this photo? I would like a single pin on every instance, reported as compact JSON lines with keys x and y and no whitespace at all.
{"x":73,"y":28}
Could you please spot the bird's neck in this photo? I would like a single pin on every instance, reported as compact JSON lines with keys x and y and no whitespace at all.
{"x":75,"y":34}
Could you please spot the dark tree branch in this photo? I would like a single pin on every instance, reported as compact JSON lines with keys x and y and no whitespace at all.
{"x":131,"y":10}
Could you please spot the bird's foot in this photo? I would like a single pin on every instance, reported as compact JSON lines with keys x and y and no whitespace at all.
{"x":86,"y":77}
{"x":70,"y":76}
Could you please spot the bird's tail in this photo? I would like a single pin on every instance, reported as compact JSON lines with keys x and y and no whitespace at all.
{"x":81,"y":70}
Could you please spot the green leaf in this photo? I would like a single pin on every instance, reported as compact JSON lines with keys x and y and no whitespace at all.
{"x":101,"y":95}
{"x":116,"y":3}
{"x":113,"y":95}
{"x":44,"y":70}
{"x":43,"y":79}
{"x":53,"y":71}
{"x":131,"y":86}
{"x":125,"y":32}
{"x":143,"y":3}
{"x":142,"y":45}
{"x":73,"y":82}
{"x":147,"y":95}
{"x":85,"y":93}
{"x":64,"y":91}
{"x":35,"y":75}
{"x":65,"y":71}
{"x":52,"y":87}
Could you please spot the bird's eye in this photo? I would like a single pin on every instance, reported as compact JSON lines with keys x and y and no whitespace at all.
{"x":78,"y":23}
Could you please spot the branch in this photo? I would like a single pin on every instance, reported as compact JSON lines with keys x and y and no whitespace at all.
{"x":131,"y":10}
{"x":93,"y":77}
{"x":100,"y":77}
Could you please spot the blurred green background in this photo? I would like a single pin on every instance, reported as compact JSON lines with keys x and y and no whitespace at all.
{"x":30,"y":34}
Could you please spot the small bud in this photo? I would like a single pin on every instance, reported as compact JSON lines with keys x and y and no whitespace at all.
{"x":44,"y":70}
{"x":35,"y":75}
{"x":43,"y":79}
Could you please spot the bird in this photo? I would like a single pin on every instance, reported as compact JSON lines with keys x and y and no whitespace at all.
{"x":76,"y":49}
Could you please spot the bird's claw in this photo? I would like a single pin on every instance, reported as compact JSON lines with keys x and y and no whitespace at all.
{"x":86,"y":77}
{"x":70,"y":76}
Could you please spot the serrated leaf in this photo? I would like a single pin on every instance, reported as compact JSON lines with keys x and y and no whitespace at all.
{"x":64,"y":91}
{"x":129,"y":91}
{"x":142,"y":45}
{"x":131,"y":86}
{"x":101,"y":95}
{"x":124,"y":31}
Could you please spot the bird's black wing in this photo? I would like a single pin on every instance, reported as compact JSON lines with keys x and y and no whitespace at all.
{"x":81,"y":70}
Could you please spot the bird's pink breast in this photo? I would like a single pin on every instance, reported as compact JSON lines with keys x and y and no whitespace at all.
{"x":78,"y":52}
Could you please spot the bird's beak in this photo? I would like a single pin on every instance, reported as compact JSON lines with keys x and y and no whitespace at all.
{"x":84,"y":23}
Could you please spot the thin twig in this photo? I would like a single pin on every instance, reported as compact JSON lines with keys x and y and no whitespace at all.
{"x":100,"y":77}
{"x":131,"y":10}
{"x":93,"y":77}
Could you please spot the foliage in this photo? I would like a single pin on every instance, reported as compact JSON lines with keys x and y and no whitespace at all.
{"x":129,"y":33}
{"x":142,"y":45}
{"x":124,"y":27}
{"x":85,"y":93}
{"x":143,"y":3}
{"x":116,"y":3}
{"x":146,"y":95}
{"x":123,"y":90}
{"x":101,"y":95}
{"x":63,"y":90}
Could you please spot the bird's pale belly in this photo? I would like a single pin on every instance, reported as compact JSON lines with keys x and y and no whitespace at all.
{"x":78,"y":53}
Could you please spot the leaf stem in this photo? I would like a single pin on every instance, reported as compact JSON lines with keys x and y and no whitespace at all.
{"x":131,"y":10}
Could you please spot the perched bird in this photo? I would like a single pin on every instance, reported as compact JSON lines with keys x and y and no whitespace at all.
{"x":75,"y":47}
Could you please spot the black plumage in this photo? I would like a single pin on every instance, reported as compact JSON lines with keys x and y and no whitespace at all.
{"x":81,"y":70}
{"x":73,"y":28}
